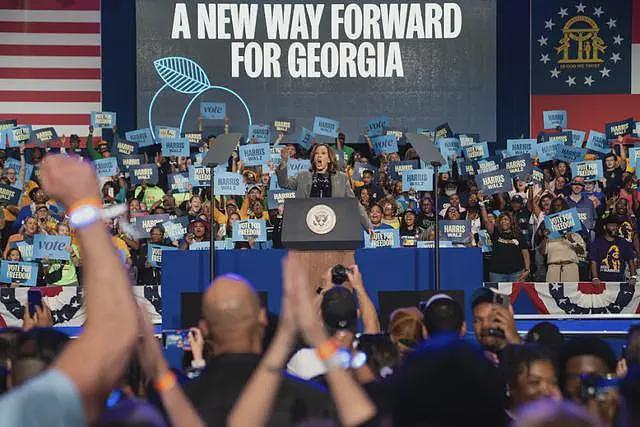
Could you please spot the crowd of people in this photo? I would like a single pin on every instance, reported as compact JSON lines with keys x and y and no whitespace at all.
{"x":509,"y":226}
{"x":324,"y":360}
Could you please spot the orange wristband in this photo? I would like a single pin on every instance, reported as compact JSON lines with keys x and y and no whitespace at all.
{"x":87,"y":201}
{"x":327,"y":349}
{"x":165,"y":382}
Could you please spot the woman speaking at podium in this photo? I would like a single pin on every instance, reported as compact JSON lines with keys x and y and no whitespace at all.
{"x":321,"y":181}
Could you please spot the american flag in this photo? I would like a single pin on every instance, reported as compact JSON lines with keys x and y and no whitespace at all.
{"x":50,"y":63}
{"x":585,"y":59}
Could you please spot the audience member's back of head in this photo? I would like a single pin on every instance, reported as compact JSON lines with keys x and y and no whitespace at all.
{"x":632,"y":349}
{"x":546,"y":334}
{"x":630,"y":391}
{"x":339,"y":310}
{"x":552,"y":413}
{"x":442,"y":315}
{"x":406,"y":329}
{"x":448,"y":382}
{"x":8,"y":339}
{"x":132,"y":413}
{"x":35,"y":351}
{"x":382,"y":354}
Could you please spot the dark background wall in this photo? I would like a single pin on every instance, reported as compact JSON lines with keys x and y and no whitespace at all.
{"x":512,"y":66}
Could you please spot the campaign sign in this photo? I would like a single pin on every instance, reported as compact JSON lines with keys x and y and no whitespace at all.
{"x":122,"y":147}
{"x":547,"y":150}
{"x":359,"y":168}
{"x":637,"y":165}
{"x":418,"y":180}
{"x":485,"y":166}
{"x":178,"y":147}
{"x":387,"y":238}
{"x":623,"y":127}
{"x":19,"y":135}
{"x":554,"y":119}
{"x":166,"y":132}
{"x":377,"y":126}
{"x":569,"y":153}
{"x":284,"y":126}
{"x":589,"y":170}
{"x":142,"y":137}
{"x":133,"y":160}
{"x":254,"y":154}
{"x":518,"y":166}
{"x":485,"y":241}
{"x":476,"y":151}
{"x":537,"y":175}
{"x":467,"y":168}
{"x":51,"y":247}
{"x":26,"y":250}
{"x":9,"y":195}
{"x":385,"y":144}
{"x":147,"y":222}
{"x":176,"y":228}
{"x":107,"y":167}
{"x":565,"y":137}
{"x":578,"y":137}
{"x":25,"y":273}
{"x":200,"y":246}
{"x":194,"y":138}
{"x":229,"y":184}
{"x":562,"y":222}
{"x":7,"y":124}
{"x":244,"y":230}
{"x":516,"y":147}
{"x":154,"y":254}
{"x":443,"y":131}
{"x":326,"y":127}
{"x":304,"y":138}
{"x":261,"y":133}
{"x":45,"y":135}
{"x":399,"y":134}
{"x":586,"y":217}
{"x":103,"y":119}
{"x":199,"y":176}
{"x":395,"y":169}
{"x":458,"y":231}
{"x":467,"y":139}
{"x":213,"y":110}
{"x":179,"y":182}
{"x":277,"y":197}
{"x":494,"y":182}
{"x":634,"y":154}
{"x":295,"y":166}
{"x":449,"y":147}
{"x":597,"y":141}
{"x":147,"y":173}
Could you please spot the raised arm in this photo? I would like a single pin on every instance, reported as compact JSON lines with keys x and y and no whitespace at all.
{"x":284,"y":180}
{"x":485,"y":216}
{"x":96,"y":360}
{"x":367,"y":309}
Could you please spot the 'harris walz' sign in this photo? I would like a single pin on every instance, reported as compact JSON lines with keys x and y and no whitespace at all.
{"x":455,"y":231}
{"x":494,"y":182}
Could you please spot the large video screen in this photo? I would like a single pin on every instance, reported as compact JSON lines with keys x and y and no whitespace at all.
{"x":420,"y":64}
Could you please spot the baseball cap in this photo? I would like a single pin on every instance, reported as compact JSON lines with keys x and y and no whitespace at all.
{"x":339,"y":310}
{"x":481,"y":295}
{"x":577,"y":181}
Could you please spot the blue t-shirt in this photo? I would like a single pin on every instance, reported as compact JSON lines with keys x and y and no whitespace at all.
{"x":50,"y":399}
{"x":611,"y":258}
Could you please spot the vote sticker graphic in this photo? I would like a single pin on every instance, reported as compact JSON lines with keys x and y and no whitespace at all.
{"x":321,"y":219}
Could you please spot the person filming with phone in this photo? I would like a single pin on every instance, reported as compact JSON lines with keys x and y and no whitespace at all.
{"x":493,"y":321}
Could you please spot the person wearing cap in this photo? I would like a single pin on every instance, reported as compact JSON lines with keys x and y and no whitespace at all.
{"x":254,"y":194}
{"x":584,"y":205}
{"x":610,"y":254}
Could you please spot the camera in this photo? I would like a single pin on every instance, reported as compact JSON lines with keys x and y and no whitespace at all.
{"x":339,"y":274}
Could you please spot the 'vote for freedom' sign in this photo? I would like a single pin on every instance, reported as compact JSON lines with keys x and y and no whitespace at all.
{"x":245,"y":230}
{"x":457,"y":231}
{"x":154,"y":254}
{"x":167,"y":132}
{"x":590,"y":170}
{"x":387,"y":238}
{"x":199,"y":176}
{"x":562,"y":222}
{"x":254,"y":154}
{"x":9,"y":195}
{"x":103,"y":119}
{"x":51,"y":247}
{"x":24,"y":273}
{"x":494,"y":182}
{"x":476,"y":151}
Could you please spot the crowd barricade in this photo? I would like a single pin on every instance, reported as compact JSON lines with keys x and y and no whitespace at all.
{"x":531,"y":300}
{"x":67,"y":305}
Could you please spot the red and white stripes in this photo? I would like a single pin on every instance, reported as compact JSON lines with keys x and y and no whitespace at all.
{"x":50,"y":63}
